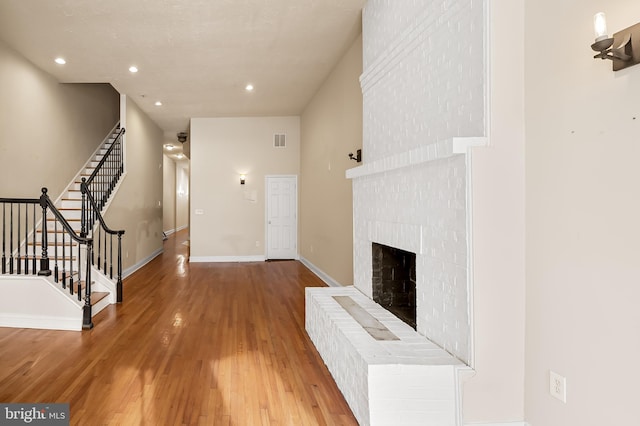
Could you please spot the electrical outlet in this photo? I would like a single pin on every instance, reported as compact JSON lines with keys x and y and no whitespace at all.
{"x":257,"y":243}
{"x":558,"y":386}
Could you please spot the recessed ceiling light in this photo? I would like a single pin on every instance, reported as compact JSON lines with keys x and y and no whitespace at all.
{"x":249,"y":87}
{"x":158,"y":103}
{"x":179,"y":156}
{"x":169,"y":147}
{"x":60,"y":61}
{"x":133,"y":68}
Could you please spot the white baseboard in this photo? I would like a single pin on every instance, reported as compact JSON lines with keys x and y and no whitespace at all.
{"x":498,"y":424}
{"x":320,"y":273}
{"x":130,"y":270}
{"x":41,"y":322}
{"x":219,"y":259}
{"x":172,"y":231}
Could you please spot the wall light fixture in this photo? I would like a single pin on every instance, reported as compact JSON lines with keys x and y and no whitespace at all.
{"x":357,"y":158}
{"x":242,"y":179}
{"x":618,"y":48}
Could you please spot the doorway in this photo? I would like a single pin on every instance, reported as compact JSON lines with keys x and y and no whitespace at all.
{"x":282,"y":217}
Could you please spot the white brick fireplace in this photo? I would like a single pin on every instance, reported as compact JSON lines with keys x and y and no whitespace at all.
{"x":424,"y":85}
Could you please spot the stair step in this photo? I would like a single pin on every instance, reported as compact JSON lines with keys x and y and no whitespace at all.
{"x":71,"y":203}
{"x":72,"y":221}
{"x":97,"y":296}
{"x":67,"y":274}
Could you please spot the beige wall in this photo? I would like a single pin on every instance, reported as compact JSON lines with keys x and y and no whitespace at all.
{"x":48,"y":129}
{"x":221,"y":150}
{"x":496,"y":392}
{"x":168,"y":194}
{"x":331,"y":127}
{"x":137,"y":206}
{"x":583,"y":205}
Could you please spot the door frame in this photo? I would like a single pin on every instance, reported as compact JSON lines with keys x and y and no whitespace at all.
{"x":266,"y":214}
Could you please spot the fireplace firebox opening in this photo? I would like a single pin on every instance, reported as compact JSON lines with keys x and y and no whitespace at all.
{"x":394,"y":281}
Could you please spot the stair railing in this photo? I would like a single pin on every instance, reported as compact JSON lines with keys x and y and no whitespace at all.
{"x":22,"y":217}
{"x":96,"y":191}
{"x":103,"y":235}
{"x":110,"y":168}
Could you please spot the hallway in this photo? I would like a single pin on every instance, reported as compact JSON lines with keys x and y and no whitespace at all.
{"x":201,"y":343}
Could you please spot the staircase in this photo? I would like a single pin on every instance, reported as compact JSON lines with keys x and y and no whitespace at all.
{"x":72,"y":250}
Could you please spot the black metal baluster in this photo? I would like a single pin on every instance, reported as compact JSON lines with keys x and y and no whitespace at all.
{"x":4,"y":238}
{"x":120,"y":158}
{"x":18,"y":264}
{"x":11,"y":239}
{"x":111,"y":256}
{"x":34,"y":262}
{"x":64,"y":264}
{"x":119,"y":282}
{"x":70,"y":264}
{"x":105,"y":185}
{"x":104,"y":267}
{"x":99,"y":241}
{"x":79,"y":280}
{"x":56,"y":271}
{"x":26,"y":239}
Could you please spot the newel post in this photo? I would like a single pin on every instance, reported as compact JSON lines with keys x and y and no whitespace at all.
{"x":87,"y":317}
{"x":44,"y":260}
{"x":119,"y":282}
{"x":83,"y":215}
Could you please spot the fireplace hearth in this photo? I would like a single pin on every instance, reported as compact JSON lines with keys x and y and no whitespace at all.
{"x":394,"y":281}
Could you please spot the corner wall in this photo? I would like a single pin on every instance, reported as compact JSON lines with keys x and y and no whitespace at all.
{"x":496,"y":392}
{"x":331,"y":127}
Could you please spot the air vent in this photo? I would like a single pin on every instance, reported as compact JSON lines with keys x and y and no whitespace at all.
{"x":279,"y":141}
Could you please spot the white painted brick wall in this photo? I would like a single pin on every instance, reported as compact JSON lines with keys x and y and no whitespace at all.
{"x":423,"y":84}
{"x":421,"y":209}
{"x":423,"y":78}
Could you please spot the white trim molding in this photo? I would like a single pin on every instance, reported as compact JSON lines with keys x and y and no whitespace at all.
{"x":498,"y":424}
{"x":320,"y":273}
{"x":130,"y":270}
{"x":221,"y":259}
{"x":41,"y":322}
{"x":423,"y":154}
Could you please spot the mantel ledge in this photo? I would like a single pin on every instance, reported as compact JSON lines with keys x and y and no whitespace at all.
{"x":421,"y":155}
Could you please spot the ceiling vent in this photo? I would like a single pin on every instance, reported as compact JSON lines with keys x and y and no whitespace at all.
{"x":279,"y":141}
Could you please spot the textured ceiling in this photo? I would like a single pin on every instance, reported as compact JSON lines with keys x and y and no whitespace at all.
{"x":196,"y":56}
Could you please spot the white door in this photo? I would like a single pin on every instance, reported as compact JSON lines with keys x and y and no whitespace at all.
{"x":282,"y":217}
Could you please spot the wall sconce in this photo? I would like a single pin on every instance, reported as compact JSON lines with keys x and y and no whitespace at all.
{"x":242,"y":179}
{"x":622,"y":54}
{"x":357,"y":157}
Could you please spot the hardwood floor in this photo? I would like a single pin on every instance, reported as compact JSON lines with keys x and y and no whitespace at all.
{"x":206,"y":344}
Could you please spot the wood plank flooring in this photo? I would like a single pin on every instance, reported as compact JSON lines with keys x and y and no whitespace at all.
{"x":192,"y":344}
